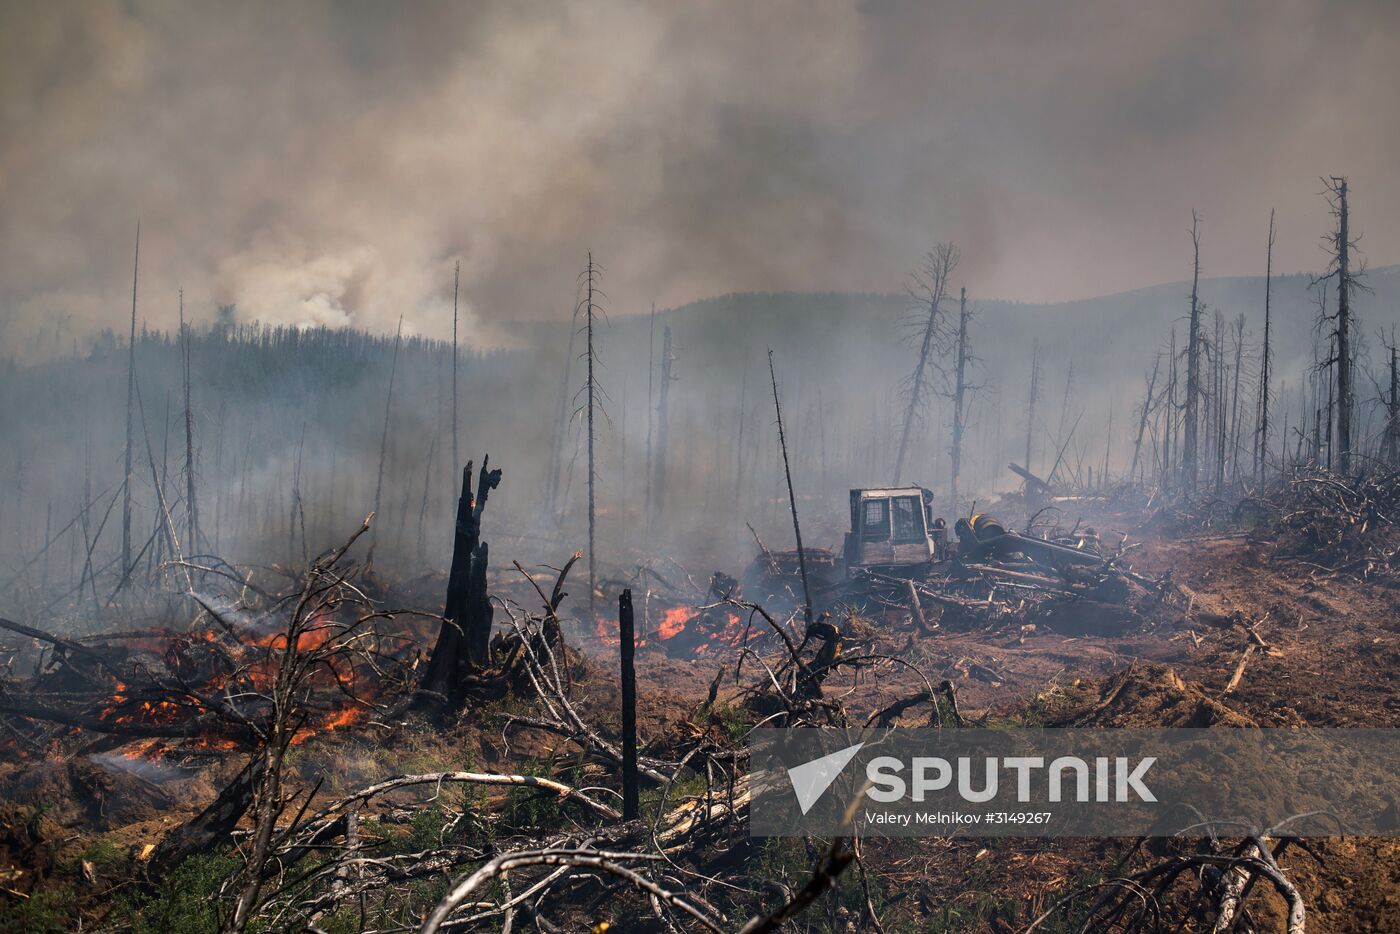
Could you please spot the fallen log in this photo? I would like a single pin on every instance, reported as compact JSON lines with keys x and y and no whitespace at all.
{"x":211,"y":827}
{"x":207,"y":725}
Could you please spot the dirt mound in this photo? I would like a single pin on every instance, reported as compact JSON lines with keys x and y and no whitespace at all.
{"x":96,"y":795}
{"x":1154,"y":696}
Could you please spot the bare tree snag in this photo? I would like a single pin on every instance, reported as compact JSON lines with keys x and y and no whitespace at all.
{"x":130,"y":413}
{"x":561,"y":424}
{"x":658,"y":484}
{"x":1146,"y":411}
{"x":456,"y":285}
{"x":1261,"y":442}
{"x":191,"y":500}
{"x":1030,"y":405}
{"x":1344,"y":398}
{"x":959,"y":392}
{"x":1392,"y":406}
{"x":651,"y":420}
{"x":589,"y":308}
{"x":792,"y":497}
{"x":388,"y":405}
{"x":931,"y":283}
{"x":1193,"y":366}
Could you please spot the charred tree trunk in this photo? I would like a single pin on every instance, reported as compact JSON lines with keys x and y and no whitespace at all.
{"x":1189,"y":444}
{"x":630,"y":780}
{"x":959,"y":392}
{"x":464,"y":639}
{"x":1345,"y":402}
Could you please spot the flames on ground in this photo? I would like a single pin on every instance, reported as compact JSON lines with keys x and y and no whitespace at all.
{"x":170,"y":692}
{"x":680,"y":630}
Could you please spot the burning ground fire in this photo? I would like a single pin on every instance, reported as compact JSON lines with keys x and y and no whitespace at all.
{"x":176,"y":692}
{"x":681,"y":631}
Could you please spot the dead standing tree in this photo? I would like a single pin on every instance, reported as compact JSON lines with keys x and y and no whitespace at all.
{"x":561,"y":425}
{"x":1030,"y":404}
{"x":191,"y":500}
{"x":456,"y":286}
{"x":1341,"y":244}
{"x":658,"y":483}
{"x":1193,"y":366}
{"x":961,"y":389}
{"x":930,"y":284}
{"x":1261,"y":441}
{"x":384,"y":438}
{"x":792,"y":497}
{"x":1392,"y":407}
{"x":1144,"y":414}
{"x":591,"y":406}
{"x":130,"y":414}
{"x":651,"y":421}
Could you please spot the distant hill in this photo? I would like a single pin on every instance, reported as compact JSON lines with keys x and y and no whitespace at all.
{"x":286,"y":417}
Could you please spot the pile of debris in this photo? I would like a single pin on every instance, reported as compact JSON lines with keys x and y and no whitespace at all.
{"x":1066,"y":582}
{"x":1347,"y":524}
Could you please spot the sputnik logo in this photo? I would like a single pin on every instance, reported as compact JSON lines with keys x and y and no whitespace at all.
{"x":810,"y":780}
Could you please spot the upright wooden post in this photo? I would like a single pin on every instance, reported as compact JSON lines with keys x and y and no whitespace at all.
{"x":630,"y":790}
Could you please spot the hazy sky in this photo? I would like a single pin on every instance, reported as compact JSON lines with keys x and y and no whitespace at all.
{"x":328,"y":162}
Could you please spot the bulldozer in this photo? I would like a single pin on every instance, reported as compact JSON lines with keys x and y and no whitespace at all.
{"x":894,"y":528}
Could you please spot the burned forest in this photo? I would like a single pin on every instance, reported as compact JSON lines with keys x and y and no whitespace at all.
{"x":422,"y":501}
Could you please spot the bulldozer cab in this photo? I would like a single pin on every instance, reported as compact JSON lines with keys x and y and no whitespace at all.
{"x":893,"y":527}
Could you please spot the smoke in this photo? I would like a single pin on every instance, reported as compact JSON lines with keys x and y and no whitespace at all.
{"x":329,"y":163}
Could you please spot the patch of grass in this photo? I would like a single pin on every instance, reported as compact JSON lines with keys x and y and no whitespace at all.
{"x":650,"y":798}
{"x":43,"y":912}
{"x":185,"y":902}
{"x":532,"y":808}
{"x":104,"y":854}
{"x":735,"y":721}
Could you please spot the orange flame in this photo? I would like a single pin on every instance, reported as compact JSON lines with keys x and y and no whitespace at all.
{"x":674,"y":620}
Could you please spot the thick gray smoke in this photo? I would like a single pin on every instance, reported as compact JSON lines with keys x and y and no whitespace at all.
{"x":327,"y":163}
